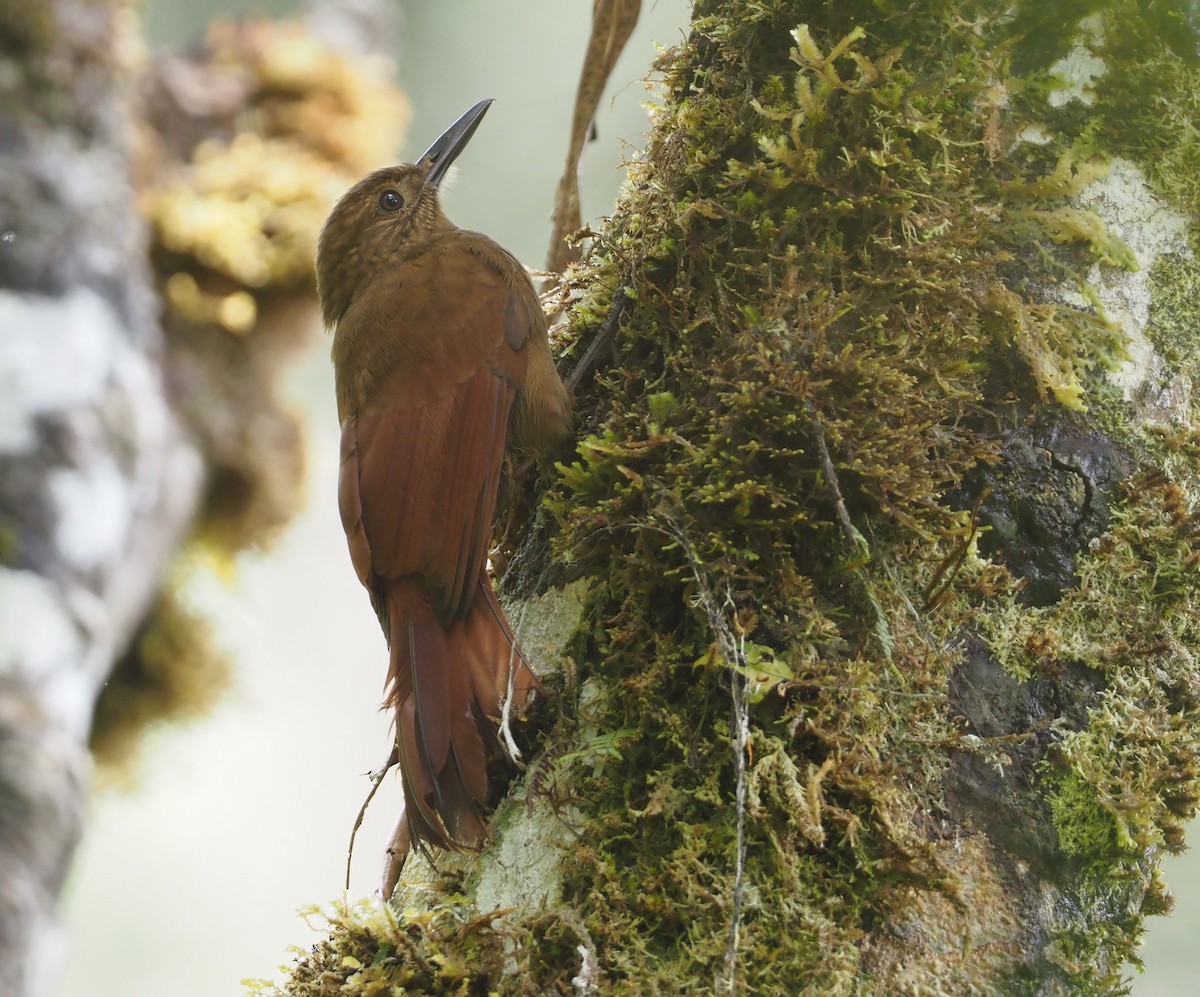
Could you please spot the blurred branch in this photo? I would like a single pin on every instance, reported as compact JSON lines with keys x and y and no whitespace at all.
{"x":613,"y":22}
{"x":123,"y":430}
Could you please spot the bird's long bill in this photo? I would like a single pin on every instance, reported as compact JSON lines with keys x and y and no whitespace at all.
{"x":452,"y":141}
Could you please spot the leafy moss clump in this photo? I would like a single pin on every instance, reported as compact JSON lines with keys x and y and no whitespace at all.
{"x":1124,"y":784}
{"x":371,"y":949}
{"x":844,"y":277}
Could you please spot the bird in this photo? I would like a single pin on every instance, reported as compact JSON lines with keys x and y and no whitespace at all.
{"x":442,"y":366}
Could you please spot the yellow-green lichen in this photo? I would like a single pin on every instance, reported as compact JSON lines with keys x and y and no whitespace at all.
{"x":236,"y":200}
{"x":249,"y":206}
{"x":248,"y":209}
{"x":244,"y":145}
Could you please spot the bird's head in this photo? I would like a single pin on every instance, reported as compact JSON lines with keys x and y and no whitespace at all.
{"x":388,"y":216}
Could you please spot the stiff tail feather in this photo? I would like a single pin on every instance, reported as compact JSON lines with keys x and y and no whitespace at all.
{"x":448,"y":685}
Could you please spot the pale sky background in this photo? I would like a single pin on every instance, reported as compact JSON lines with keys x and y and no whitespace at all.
{"x":192,"y":881}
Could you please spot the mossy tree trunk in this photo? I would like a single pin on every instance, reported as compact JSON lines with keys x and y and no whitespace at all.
{"x":873,"y":579}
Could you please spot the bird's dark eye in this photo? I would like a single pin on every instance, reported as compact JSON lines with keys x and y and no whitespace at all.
{"x":390,"y":200}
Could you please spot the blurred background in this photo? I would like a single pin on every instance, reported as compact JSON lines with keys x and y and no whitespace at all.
{"x":191,"y":880}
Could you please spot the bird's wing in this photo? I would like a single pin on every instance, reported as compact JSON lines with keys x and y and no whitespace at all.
{"x":421,"y":456}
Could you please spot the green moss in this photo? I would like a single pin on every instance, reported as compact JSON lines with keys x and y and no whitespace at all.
{"x":1124,"y":782}
{"x":1075,"y":225}
{"x":779,"y":355}
{"x":1120,"y":779}
{"x":1084,"y":827}
{"x":371,"y":949}
{"x":1175,"y":303}
{"x":839,"y":275}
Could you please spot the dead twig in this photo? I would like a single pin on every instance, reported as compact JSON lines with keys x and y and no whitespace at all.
{"x":376,"y":780}
{"x":613,"y":22}
{"x":604,"y":338}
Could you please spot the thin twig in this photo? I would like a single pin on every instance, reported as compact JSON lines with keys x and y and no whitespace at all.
{"x":603,"y":338}
{"x":831,"y":479}
{"x":741,"y":719}
{"x":376,"y":781}
{"x":858,"y":542}
{"x":734,"y":650}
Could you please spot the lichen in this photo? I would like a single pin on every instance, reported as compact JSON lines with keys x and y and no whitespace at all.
{"x":248,"y":203}
{"x":244,"y":144}
{"x":245,"y":159}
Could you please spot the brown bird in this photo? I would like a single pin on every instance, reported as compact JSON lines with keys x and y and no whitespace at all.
{"x":441,"y":360}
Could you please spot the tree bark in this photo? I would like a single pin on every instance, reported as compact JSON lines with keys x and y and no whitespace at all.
{"x":130,"y":424}
{"x":872,"y":585}
{"x":98,"y":479}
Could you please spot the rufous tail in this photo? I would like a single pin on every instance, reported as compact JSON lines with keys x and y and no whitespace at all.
{"x":448,"y":685}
